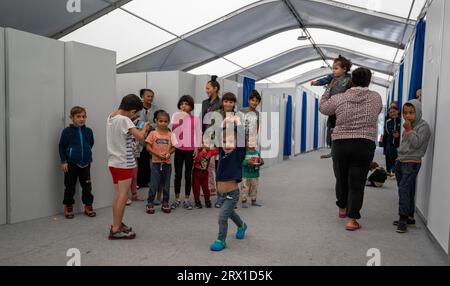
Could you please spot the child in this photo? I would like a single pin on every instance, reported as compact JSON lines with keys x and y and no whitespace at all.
{"x":200,"y":177}
{"x":229,"y":175}
{"x":378,"y":176}
{"x":136,"y":153}
{"x":161,"y":145}
{"x":226,"y":114}
{"x":391,"y":139}
{"x":251,"y":116}
{"x":75,"y":151}
{"x":187,"y":128}
{"x":339,"y":82}
{"x":250,"y":175}
{"x":121,"y":162}
{"x":412,"y":148}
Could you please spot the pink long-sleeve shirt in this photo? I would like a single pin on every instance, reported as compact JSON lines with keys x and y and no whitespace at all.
{"x":357,"y":111}
{"x":188,"y":131}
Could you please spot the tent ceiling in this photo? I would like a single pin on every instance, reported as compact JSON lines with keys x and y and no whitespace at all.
{"x":321,"y":72}
{"x":262,"y":20}
{"x":51,"y":18}
{"x":305,"y":54}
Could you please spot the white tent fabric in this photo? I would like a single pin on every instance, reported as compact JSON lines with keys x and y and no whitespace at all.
{"x":302,"y":55}
{"x":52,"y":18}
{"x":221,"y":37}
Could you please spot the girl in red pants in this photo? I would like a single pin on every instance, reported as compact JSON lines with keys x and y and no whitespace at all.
{"x":200,"y":177}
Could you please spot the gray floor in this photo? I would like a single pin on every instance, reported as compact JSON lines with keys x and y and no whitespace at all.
{"x":297,"y":225}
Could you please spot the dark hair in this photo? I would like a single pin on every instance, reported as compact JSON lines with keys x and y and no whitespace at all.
{"x":131,"y":102}
{"x":213,"y":82}
{"x":393,"y":107}
{"x":343,"y":63}
{"x":229,"y":96}
{"x":361,"y":77}
{"x":255,"y":94}
{"x":144,"y":90}
{"x":77,"y":110}
{"x":374,"y":165}
{"x":159,"y":113}
{"x":409,"y":105}
{"x":188,"y":99}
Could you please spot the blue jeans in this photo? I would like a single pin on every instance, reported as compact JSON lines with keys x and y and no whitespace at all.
{"x":406,"y":174}
{"x":160,"y":176}
{"x":230,"y":201}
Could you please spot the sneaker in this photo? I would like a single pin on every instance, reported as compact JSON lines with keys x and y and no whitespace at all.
{"x":129,"y":202}
{"x":328,"y":156}
{"x":402,"y":227}
{"x":150,"y":209}
{"x":198,"y":205}
{"x":120,"y":234}
{"x":218,"y":245}
{"x":187,"y":205}
{"x":89,"y":211}
{"x":409,"y":222}
{"x":176,"y":204}
{"x":166,"y":208}
{"x":68,"y":212}
{"x":240,"y":233}
{"x":255,"y":204}
{"x":208,"y":204}
{"x":157,"y":202}
{"x":125,"y":228}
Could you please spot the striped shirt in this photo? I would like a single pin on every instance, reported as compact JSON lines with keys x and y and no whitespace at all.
{"x":357,"y":112}
{"x":120,"y":142}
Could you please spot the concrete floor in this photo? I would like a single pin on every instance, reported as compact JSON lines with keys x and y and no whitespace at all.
{"x":297,"y":225}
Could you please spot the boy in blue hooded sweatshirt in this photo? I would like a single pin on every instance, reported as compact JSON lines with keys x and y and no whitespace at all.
{"x":75,"y":151}
{"x":412,"y":148}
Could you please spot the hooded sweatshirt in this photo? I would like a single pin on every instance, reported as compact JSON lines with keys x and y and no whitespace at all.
{"x":357,"y":112}
{"x":415,"y":142}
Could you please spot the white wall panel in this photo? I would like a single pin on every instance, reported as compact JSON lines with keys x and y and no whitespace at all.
{"x":129,"y":83}
{"x":432,"y":68}
{"x":35,"y":103}
{"x":3,"y":202}
{"x":91,"y":83}
{"x":439,"y":211}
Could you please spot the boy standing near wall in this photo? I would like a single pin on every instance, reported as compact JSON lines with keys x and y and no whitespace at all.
{"x":412,"y":148}
{"x":75,"y":151}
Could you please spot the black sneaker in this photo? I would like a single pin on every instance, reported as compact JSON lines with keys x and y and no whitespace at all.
{"x":410,"y":222}
{"x":402,"y":228}
{"x":208,"y":204}
{"x":120,"y":234}
{"x":198,"y":205}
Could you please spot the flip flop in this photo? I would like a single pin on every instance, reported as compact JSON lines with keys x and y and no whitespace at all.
{"x":354,"y":227}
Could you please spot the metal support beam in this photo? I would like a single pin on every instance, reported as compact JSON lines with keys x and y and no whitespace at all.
{"x":303,"y":27}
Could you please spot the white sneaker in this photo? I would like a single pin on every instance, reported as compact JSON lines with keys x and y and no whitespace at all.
{"x":129,"y":202}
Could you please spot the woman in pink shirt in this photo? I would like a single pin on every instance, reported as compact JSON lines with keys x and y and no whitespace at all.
{"x":354,"y":137}
{"x":187,"y":129}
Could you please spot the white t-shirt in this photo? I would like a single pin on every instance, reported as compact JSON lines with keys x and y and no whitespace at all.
{"x":119,"y":142}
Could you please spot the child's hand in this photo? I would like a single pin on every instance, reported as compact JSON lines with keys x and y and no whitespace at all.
{"x":65,"y":167}
{"x":407,"y":125}
{"x":314,"y":82}
{"x":146,"y":127}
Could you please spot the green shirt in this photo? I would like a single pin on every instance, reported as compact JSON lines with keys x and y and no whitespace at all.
{"x":251,"y":171}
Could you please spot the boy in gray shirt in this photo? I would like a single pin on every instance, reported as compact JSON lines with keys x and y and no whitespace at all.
{"x":412,"y":148}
